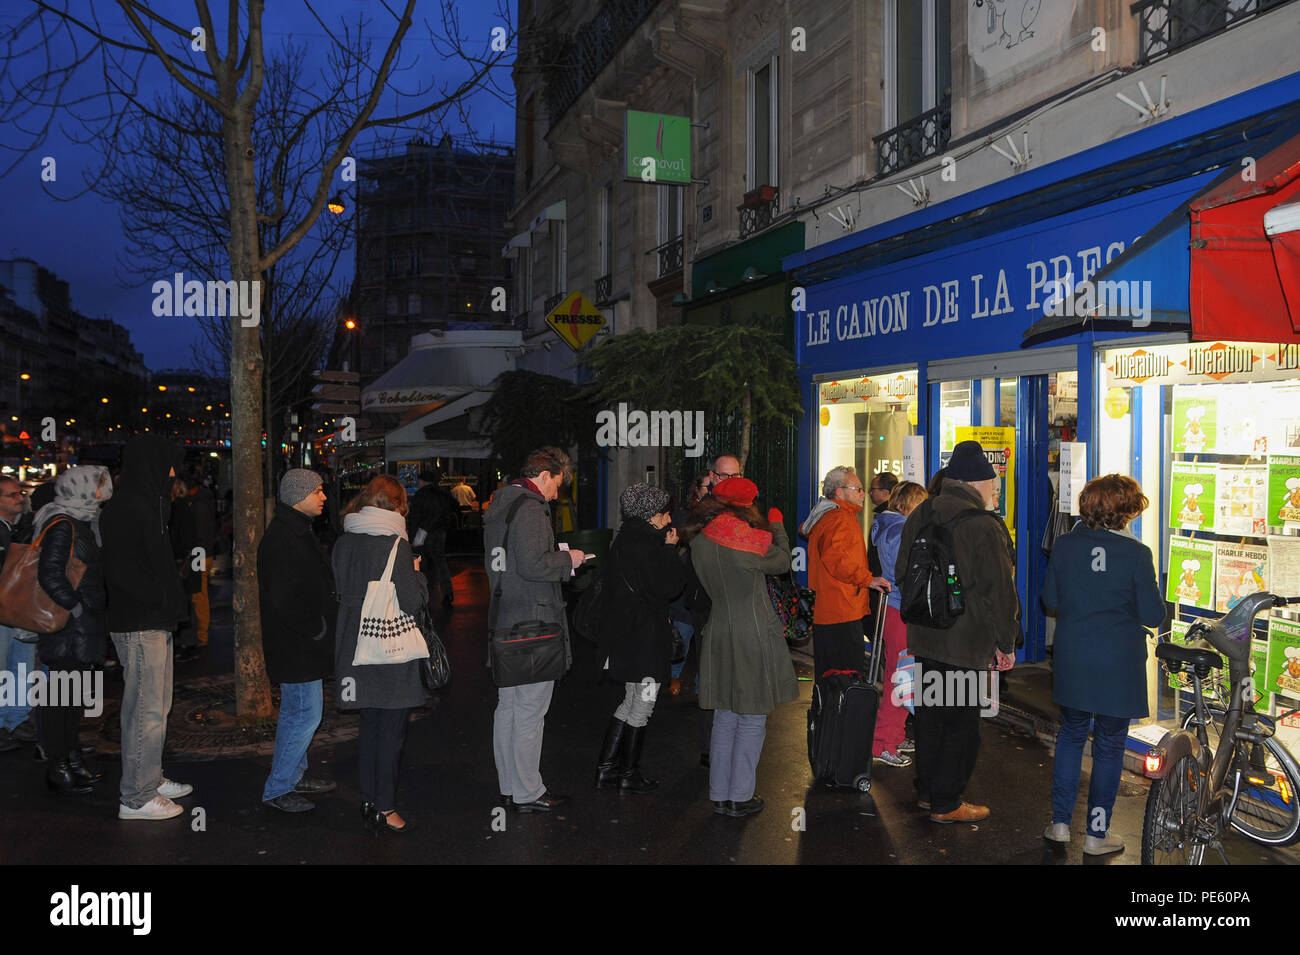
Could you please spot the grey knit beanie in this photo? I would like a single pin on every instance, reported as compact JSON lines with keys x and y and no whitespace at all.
{"x":643,"y":501}
{"x":297,"y":484}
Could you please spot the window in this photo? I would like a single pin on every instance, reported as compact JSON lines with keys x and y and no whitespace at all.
{"x":762,"y":121}
{"x":526,"y":277}
{"x":559,"y":256}
{"x":413,"y":304}
{"x":670,"y":213}
{"x":605,"y":230}
{"x":393,"y":305}
{"x":413,"y":261}
{"x":917,"y":58}
{"x":390,"y":265}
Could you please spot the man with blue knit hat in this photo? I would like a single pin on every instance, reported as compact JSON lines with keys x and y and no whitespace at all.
{"x":958,"y":658}
{"x":299,"y":611}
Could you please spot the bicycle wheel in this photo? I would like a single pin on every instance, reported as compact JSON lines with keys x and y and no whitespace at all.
{"x":1268,"y":807}
{"x":1170,"y":822}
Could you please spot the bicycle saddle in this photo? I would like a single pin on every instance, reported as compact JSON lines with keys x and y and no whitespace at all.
{"x":1191,"y":656}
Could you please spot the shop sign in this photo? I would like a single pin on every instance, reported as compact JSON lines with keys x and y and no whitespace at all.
{"x":408,"y":397}
{"x":576,"y":320}
{"x":999,"y":446}
{"x":833,"y":391}
{"x":657,"y":147}
{"x":914,"y":459}
{"x":1201,"y":363}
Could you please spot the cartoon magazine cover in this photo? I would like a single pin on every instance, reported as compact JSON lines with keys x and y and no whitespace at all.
{"x":1191,"y":496}
{"x":1283,"y":490}
{"x":1241,"y":500}
{"x":1196,"y":420}
{"x":1283,"y":674}
{"x":1239,"y":570}
{"x":1191,"y":572}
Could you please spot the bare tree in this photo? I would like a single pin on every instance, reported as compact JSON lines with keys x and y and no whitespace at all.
{"x":222,"y":68}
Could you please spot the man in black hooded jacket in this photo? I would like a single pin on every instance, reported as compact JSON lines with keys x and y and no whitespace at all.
{"x":145,"y":603}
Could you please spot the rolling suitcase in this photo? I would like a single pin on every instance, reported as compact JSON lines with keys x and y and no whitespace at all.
{"x":842,"y":719}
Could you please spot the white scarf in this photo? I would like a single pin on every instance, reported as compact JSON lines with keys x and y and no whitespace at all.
{"x":376,"y":521}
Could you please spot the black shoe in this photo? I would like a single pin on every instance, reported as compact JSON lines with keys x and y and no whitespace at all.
{"x":368,"y":816}
{"x":309,"y":784}
{"x":59,"y":779}
{"x":7,"y":742}
{"x":608,"y":775}
{"x":546,"y":802}
{"x":379,"y":823}
{"x":723,"y":807}
{"x":24,"y":732}
{"x":290,"y":802}
{"x":633,"y":781}
{"x":78,"y":766}
{"x":747,"y":808}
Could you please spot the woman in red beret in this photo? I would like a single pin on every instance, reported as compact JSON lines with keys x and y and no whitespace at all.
{"x":745,"y":668}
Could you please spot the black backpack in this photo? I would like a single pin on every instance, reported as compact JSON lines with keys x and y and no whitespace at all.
{"x":930,"y":591}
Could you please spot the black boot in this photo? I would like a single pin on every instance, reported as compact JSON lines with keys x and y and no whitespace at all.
{"x":80,"y":773}
{"x":633,"y":781}
{"x":608,"y":774}
{"x":59,"y":779}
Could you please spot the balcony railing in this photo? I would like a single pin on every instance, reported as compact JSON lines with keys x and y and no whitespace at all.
{"x":578,"y":59}
{"x":670,"y":257}
{"x":604,"y":288}
{"x":758,"y":211}
{"x":551,"y":301}
{"x":520,"y":321}
{"x":919,"y":138}
{"x":1166,"y":26}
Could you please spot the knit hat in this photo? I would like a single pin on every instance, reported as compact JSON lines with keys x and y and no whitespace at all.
{"x":643,"y":501}
{"x":297,"y":484}
{"x":737,"y":490}
{"x":968,"y":463}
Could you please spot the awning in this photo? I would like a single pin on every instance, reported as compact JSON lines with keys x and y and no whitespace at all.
{"x":446,"y":432}
{"x":555,"y":212}
{"x":511,"y":249}
{"x":443,"y":366}
{"x":1245,"y":282}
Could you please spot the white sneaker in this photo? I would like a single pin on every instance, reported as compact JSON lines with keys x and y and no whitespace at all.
{"x":160,"y":807}
{"x":1093,"y":846}
{"x":1057,"y":832}
{"x":174,"y":790}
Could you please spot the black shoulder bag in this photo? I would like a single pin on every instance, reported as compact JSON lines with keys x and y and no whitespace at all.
{"x":532,"y":651}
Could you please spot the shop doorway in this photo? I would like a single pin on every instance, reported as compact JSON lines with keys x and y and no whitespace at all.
{"x":1021,"y":422}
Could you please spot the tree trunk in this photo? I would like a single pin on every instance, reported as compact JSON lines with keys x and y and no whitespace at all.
{"x":252,"y":692}
{"x":746,"y":421}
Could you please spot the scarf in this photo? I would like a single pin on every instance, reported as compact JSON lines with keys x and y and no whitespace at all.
{"x":74,"y":497}
{"x":728,"y":530}
{"x":376,"y":521}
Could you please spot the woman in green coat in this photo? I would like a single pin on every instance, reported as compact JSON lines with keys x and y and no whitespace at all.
{"x":745,"y":668}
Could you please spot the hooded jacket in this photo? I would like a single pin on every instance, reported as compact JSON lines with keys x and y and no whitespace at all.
{"x":144,"y":587}
{"x":837,"y":563}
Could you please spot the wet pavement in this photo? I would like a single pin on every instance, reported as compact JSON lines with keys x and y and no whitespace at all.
{"x":449,"y":791}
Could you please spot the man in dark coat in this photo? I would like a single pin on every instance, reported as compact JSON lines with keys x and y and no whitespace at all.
{"x":951,"y":662}
{"x":145,"y":603}
{"x":433,"y":511}
{"x":299,"y":614}
{"x":529,"y":570}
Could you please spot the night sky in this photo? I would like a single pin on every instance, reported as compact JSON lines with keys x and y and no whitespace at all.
{"x":81,"y":239}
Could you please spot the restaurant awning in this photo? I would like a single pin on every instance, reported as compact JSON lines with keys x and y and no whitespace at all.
{"x":446,"y":432}
{"x":442,"y":366}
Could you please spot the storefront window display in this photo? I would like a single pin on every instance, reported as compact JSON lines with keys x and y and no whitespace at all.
{"x":862,"y":421}
{"x":1212,"y":431}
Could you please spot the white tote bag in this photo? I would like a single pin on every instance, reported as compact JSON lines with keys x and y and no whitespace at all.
{"x":388,"y":634}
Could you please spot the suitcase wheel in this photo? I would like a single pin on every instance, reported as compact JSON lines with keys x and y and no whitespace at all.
{"x":862,"y":783}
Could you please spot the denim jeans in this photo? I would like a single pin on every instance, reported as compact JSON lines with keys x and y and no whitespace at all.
{"x":301,"y":705}
{"x":734,"y":750}
{"x":1109,"y":734}
{"x":12,"y":653}
{"x":146,"y":658}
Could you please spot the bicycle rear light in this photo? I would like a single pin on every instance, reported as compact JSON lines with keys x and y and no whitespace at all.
{"x":1154,"y":761}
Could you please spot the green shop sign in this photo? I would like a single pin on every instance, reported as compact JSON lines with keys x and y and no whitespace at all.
{"x":657,"y":147}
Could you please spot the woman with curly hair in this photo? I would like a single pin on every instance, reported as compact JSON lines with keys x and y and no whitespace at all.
{"x":1101,"y":582}
{"x":745,"y":668}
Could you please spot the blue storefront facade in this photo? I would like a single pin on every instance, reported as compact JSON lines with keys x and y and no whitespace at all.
{"x":917,"y":327}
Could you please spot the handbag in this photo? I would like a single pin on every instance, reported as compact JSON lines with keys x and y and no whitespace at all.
{"x":435,"y":670}
{"x":23,"y":603}
{"x":794,"y":607}
{"x":532,"y":651}
{"x":388,"y":633}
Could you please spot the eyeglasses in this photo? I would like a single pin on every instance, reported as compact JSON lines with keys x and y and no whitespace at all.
{"x":853,"y":487}
{"x":725,"y":477}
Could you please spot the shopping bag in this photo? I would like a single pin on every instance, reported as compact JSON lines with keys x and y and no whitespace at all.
{"x":388,"y":634}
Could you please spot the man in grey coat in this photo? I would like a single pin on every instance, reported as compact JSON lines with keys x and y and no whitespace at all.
{"x":529,"y":570}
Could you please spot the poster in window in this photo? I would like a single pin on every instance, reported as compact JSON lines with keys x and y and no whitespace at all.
{"x":1240,"y":429}
{"x":1191,"y":572}
{"x":1241,"y":500}
{"x":999,"y":446}
{"x":1196,"y":419}
{"x":1191,"y":496}
{"x":1283,"y":674}
{"x":1239,"y":570}
{"x":1284,"y":565}
{"x":1283,"y":490}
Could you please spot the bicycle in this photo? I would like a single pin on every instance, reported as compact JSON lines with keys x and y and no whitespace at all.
{"x":1201,"y":789}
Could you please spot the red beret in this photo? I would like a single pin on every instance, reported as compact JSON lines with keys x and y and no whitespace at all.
{"x":736,"y":490}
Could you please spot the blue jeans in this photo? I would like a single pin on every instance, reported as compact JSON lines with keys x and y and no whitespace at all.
{"x":146,"y":658}
{"x":734,"y":749}
{"x":686,"y":631}
{"x":300,"y":712}
{"x":12,"y":653}
{"x":1109,"y":734}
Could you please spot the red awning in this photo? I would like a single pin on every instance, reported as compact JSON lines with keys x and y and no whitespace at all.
{"x":1245,"y":283}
